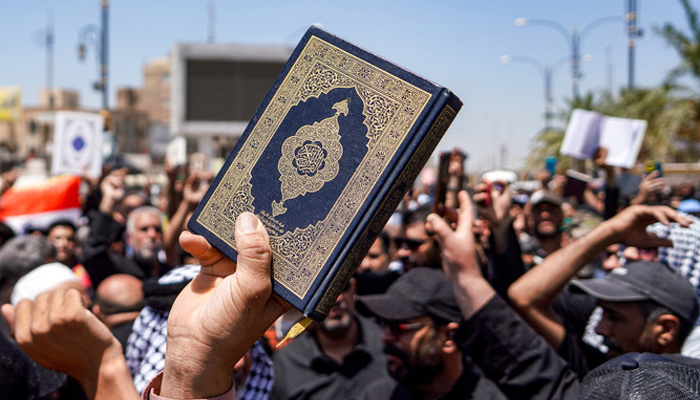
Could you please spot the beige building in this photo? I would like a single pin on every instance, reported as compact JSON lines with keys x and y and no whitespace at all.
{"x":32,"y":132}
{"x":62,"y":99}
{"x":129,"y":123}
{"x":154,"y":96}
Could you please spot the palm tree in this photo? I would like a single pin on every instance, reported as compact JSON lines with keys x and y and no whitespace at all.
{"x":548,"y":142}
{"x":688,"y":48}
{"x":665,"y":115}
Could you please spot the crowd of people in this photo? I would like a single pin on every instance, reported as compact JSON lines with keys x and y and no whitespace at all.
{"x":505,"y":291}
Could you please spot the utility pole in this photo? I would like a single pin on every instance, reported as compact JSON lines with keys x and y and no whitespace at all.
{"x":49,"y":59}
{"x":632,"y":33}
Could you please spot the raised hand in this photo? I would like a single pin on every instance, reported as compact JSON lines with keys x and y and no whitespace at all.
{"x":112,"y":189}
{"x":459,"y":258}
{"x":220,"y":314}
{"x":629,"y":226}
{"x":59,"y":333}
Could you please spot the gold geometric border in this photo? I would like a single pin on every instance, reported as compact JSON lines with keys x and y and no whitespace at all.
{"x":391,"y":107}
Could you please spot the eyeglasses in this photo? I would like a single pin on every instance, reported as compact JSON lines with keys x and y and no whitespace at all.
{"x":397,"y":328}
{"x":410,"y":244}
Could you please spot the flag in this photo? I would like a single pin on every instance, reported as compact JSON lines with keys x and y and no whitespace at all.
{"x":39,"y":205}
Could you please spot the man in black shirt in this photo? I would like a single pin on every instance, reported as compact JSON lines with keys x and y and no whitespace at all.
{"x":335,"y":359}
{"x":539,"y":294}
{"x":419,"y":313}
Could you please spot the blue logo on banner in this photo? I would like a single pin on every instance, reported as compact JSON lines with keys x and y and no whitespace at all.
{"x":78,"y":143}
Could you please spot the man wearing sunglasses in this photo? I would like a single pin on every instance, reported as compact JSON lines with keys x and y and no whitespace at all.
{"x":419,"y":314}
{"x":415,"y":248}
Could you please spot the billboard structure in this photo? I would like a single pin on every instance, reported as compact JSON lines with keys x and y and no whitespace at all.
{"x":216,"y":88}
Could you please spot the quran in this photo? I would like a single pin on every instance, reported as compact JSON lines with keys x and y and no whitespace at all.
{"x":324,"y":162}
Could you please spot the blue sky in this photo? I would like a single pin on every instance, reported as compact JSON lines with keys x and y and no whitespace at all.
{"x":456,"y":43}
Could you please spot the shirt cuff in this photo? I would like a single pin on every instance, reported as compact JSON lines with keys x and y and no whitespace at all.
{"x":154,"y":386}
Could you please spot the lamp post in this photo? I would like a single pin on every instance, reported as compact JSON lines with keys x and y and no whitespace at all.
{"x":546,"y":71}
{"x":632,"y":33}
{"x":47,"y":41}
{"x":98,"y":37}
{"x":574,"y":38}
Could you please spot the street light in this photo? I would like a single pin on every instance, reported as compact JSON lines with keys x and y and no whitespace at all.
{"x":546,"y":71}
{"x":98,"y":37}
{"x":633,"y":33}
{"x":574,"y":38}
{"x":47,"y":40}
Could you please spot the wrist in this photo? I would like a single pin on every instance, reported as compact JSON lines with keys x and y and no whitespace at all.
{"x":109,"y":373}
{"x":114,"y":375}
{"x":106,"y":206}
{"x":606,"y":233}
{"x":194,"y":374}
{"x":472,"y":293}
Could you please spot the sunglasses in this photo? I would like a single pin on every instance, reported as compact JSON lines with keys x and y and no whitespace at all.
{"x":410,"y":244}
{"x":398,"y":328}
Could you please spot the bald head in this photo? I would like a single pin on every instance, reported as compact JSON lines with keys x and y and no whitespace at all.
{"x":119,"y":293}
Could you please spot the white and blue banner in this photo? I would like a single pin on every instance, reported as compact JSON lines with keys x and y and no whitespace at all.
{"x":77,"y":146}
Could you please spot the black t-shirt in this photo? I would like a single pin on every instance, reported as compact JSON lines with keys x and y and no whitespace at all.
{"x":575,"y":310}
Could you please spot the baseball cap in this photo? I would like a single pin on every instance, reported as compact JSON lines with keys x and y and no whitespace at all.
{"x":642,"y":376}
{"x":545,"y":196}
{"x":420,"y":291}
{"x":646,"y":280}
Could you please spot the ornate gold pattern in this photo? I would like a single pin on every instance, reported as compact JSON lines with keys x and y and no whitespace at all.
{"x":391,"y":107}
{"x":310,"y":158}
{"x":389,"y":203}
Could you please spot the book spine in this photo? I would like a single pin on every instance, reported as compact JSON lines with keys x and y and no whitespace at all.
{"x":386,"y":201}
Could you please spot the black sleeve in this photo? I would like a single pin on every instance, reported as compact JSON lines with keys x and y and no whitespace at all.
{"x":97,"y":259}
{"x":505,"y":268}
{"x":575,"y":310}
{"x":612,"y":197}
{"x":511,"y":354}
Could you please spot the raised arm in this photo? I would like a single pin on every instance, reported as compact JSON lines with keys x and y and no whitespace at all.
{"x":193,"y":191}
{"x":59,"y":333}
{"x":214,"y":321}
{"x":650,"y":184}
{"x":508,"y":351}
{"x":532,"y":295}
{"x":459,"y":260}
{"x":220,"y":314}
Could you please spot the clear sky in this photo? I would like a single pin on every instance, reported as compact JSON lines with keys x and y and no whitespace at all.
{"x":456,"y":43}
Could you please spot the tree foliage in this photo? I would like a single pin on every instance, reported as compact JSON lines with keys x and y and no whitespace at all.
{"x":672,"y":110}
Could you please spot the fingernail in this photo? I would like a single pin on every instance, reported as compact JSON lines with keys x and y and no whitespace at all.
{"x":247,"y":223}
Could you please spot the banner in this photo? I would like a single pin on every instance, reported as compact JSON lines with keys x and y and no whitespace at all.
{"x":10,"y":103}
{"x":39,"y":205}
{"x":77,"y":144}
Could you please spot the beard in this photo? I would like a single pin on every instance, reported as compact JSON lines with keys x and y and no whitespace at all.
{"x":546,"y":233}
{"x":336,"y":327}
{"x":147,"y":254}
{"x":419,"y":368}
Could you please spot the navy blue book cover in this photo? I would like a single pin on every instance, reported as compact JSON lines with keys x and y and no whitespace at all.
{"x":324,"y":162}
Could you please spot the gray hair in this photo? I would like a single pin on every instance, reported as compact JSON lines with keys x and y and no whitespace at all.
{"x":131,"y":220}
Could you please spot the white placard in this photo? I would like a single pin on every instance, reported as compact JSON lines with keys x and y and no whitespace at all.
{"x":77,"y":145}
{"x":176,"y":152}
{"x":589,"y":130}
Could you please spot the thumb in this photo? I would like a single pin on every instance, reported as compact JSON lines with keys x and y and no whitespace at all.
{"x":8,"y":311}
{"x":254,"y":254}
{"x":438,"y":227}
